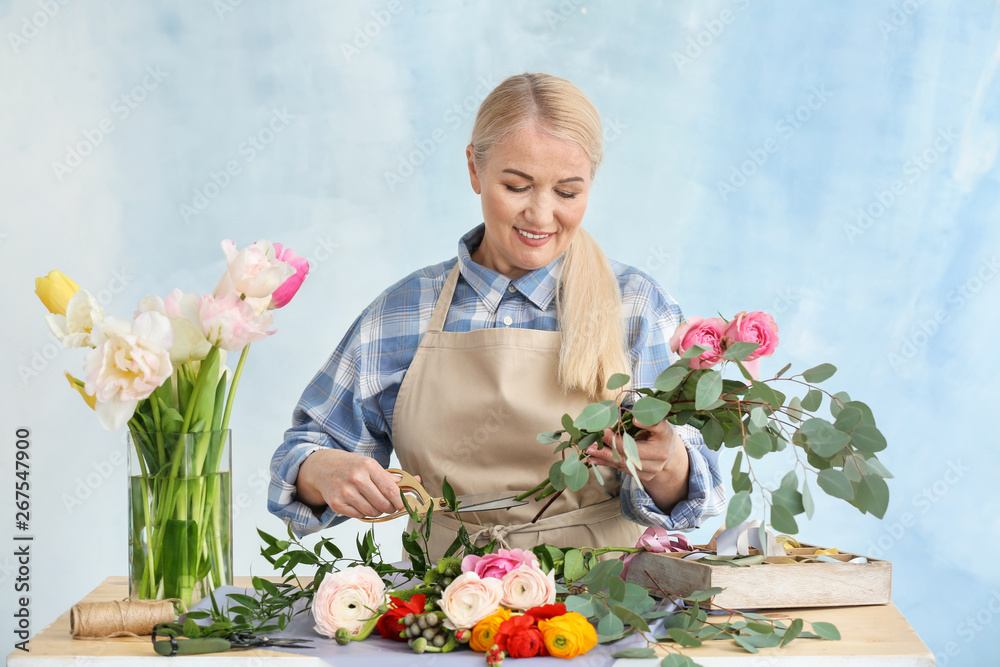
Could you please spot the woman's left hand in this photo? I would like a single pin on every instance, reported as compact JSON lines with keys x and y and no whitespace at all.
{"x":664,"y":459}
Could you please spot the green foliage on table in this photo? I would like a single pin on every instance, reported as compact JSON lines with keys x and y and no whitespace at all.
{"x":752,"y":416}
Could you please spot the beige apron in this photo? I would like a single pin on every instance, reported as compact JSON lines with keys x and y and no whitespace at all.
{"x":470,"y":408}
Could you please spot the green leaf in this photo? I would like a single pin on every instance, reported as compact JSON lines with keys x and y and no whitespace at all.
{"x":807,"y":500}
{"x":650,"y":411}
{"x":708,"y":391}
{"x":703,"y":596}
{"x":784,"y":369}
{"x":826,"y":630}
{"x":788,"y":498}
{"x":556,"y":476}
{"x":876,"y":468}
{"x":866,"y":412}
{"x":740,"y":351}
{"x":841,"y":399}
{"x":576,"y":473}
{"x":821,"y":437}
{"x":449,"y":494}
{"x":713,"y":433}
{"x":610,"y":625}
{"x":867,"y":438}
{"x":792,"y":632}
{"x":573,"y":431}
{"x":758,"y":444}
{"x":693,"y":351}
{"x":872,"y":495}
{"x":671,"y":378}
{"x":574,"y":567}
{"x":819,"y":373}
{"x":683,"y":637}
{"x":597,"y":416}
{"x":635,"y":653}
{"x":835,"y":483}
{"x":847,"y":419}
{"x":629,"y":617}
{"x":739,"y":509}
{"x":745,"y":643}
{"x":617,"y":381}
{"x":678,"y":660}
{"x":548,"y":438}
{"x":757,"y":417}
{"x":782,"y":519}
{"x":581,"y":605}
{"x":794,"y":410}
{"x":616,"y":589}
{"x":812,"y":400}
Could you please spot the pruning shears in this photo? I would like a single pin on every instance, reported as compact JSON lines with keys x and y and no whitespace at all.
{"x":421,"y":502}
{"x":171,"y":645}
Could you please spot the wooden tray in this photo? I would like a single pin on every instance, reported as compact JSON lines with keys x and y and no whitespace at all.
{"x":769,"y":585}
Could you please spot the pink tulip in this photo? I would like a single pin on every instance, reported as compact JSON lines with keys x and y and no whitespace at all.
{"x":707,"y":333}
{"x":231,"y":323}
{"x":281,"y":296}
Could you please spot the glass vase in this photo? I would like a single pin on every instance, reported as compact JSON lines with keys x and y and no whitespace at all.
{"x":180,"y":514}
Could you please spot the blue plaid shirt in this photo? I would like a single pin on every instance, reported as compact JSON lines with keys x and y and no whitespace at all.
{"x":349,"y":403}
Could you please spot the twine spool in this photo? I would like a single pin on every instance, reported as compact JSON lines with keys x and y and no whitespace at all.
{"x":118,"y":618}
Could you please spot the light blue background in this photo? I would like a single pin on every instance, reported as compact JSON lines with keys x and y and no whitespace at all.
{"x":903,"y":301}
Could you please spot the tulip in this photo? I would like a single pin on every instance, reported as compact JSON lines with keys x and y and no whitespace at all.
{"x":78,"y":385}
{"x":55,"y":291}
{"x":281,"y":296}
{"x":253,"y":272}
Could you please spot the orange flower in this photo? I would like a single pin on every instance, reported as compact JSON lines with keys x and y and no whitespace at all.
{"x":486,"y":629}
{"x":568,"y":636}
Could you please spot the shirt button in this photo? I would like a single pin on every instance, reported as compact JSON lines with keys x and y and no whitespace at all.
{"x":511,"y":288}
{"x":508,"y":320}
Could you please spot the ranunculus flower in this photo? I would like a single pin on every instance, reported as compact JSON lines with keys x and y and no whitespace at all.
{"x":55,"y":291}
{"x":469,"y":599}
{"x":703,"y":332}
{"x":76,"y":326}
{"x":520,"y":638}
{"x":527,"y":586}
{"x":496,"y":565}
{"x":347,"y":599}
{"x":190,"y":343}
{"x":254,"y":272}
{"x":231,"y":323}
{"x":287,"y":290}
{"x":484,"y":633}
{"x":568,"y":636}
{"x":389,"y":625}
{"x":547,"y":611}
{"x":130,"y":361}
{"x":755,"y":327}
{"x":657,"y":540}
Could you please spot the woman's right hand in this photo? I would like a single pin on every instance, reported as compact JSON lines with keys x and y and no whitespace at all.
{"x":350,"y":484}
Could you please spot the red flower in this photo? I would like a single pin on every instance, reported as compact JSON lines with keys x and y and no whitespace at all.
{"x":546,"y":611}
{"x":520,"y":638}
{"x":389,"y":625}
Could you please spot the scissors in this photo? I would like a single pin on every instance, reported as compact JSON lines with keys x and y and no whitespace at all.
{"x":421,"y":502}
{"x":199,"y":645}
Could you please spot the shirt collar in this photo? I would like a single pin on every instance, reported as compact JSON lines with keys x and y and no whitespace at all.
{"x":538,"y":286}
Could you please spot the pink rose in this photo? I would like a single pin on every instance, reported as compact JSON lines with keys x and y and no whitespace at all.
{"x":347,"y":599}
{"x":657,"y":540}
{"x":469,"y":599}
{"x":498,"y":564}
{"x":231,"y":323}
{"x":287,"y":290}
{"x":527,"y":586}
{"x":756,"y":327}
{"x":707,"y":333}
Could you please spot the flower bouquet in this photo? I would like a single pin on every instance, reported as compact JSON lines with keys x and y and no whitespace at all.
{"x":163,"y":374}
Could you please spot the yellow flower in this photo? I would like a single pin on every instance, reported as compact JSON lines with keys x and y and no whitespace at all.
{"x":568,"y":636}
{"x":55,"y":290}
{"x":486,"y":629}
{"x":78,"y":385}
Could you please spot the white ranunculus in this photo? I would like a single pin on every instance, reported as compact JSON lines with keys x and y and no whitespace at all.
{"x":347,"y":599}
{"x":527,"y":586}
{"x":254,"y":272}
{"x":75,"y":328}
{"x":469,"y":599}
{"x":130,"y":360}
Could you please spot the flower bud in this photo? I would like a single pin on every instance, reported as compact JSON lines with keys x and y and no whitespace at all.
{"x":494,"y":657}
{"x":343,"y":636}
{"x":463,"y":635}
{"x":419,"y":645}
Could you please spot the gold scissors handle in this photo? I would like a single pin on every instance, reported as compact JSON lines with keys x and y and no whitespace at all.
{"x":420,"y":501}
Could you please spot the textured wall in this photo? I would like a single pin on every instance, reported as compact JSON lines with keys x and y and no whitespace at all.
{"x":833,"y":163}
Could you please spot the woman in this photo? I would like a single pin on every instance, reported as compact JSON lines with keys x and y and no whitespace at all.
{"x":459,"y":366}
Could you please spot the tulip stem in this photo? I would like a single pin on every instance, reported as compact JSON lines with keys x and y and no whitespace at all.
{"x":232,"y":387}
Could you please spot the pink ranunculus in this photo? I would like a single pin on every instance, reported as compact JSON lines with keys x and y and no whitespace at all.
{"x":231,"y":323}
{"x":498,"y":564}
{"x":347,"y":599}
{"x":707,"y":333}
{"x":527,"y":586}
{"x":254,"y":272}
{"x":469,"y":599}
{"x":755,"y":327}
{"x":287,"y":290}
{"x":129,"y":361}
{"x":657,"y":540}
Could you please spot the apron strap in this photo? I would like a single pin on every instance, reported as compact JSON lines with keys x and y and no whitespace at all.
{"x":436,"y":324}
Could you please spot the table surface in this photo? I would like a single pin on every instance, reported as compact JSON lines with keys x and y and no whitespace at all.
{"x":871,"y":636}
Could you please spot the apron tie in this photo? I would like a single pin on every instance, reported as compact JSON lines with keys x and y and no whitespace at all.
{"x":498,"y":532}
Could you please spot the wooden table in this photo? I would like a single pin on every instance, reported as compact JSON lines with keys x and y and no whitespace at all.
{"x":876,"y":636}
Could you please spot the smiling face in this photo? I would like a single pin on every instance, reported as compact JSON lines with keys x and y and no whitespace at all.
{"x":534,"y":191}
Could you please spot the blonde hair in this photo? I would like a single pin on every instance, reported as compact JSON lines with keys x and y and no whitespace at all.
{"x":588,"y":299}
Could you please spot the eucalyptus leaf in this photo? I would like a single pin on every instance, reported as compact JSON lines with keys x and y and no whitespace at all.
{"x":635,"y":653}
{"x":835,"y":483}
{"x":784,"y":369}
{"x":872,"y":495}
{"x":740,"y":350}
{"x":617,"y":381}
{"x":693,"y":351}
{"x":782,"y":519}
{"x":576,"y":474}
{"x":807,"y":500}
{"x":790,"y":499}
{"x":683,"y":637}
{"x":597,"y":416}
{"x":867,"y":438}
{"x":876,"y":467}
{"x":555,"y":476}
{"x":758,"y":444}
{"x":580,"y":604}
{"x":822,"y":438}
{"x":671,"y":378}
{"x":758,"y":417}
{"x":708,"y":391}
{"x":826,"y":630}
{"x":794,"y":410}
{"x":547,"y":438}
{"x":631,"y":450}
{"x":574,"y":566}
{"x":713,"y":433}
{"x":841,"y":398}
{"x":745,"y":643}
{"x":610,"y":625}
{"x":847,"y":419}
{"x":819,"y":373}
{"x":650,"y":411}
{"x":792,"y":632}
{"x":812,"y":400}
{"x":678,"y":660}
{"x":739,"y":509}
{"x":629,"y":617}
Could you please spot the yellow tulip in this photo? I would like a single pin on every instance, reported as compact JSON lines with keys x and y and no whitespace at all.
{"x":78,"y":385}
{"x":55,"y":291}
